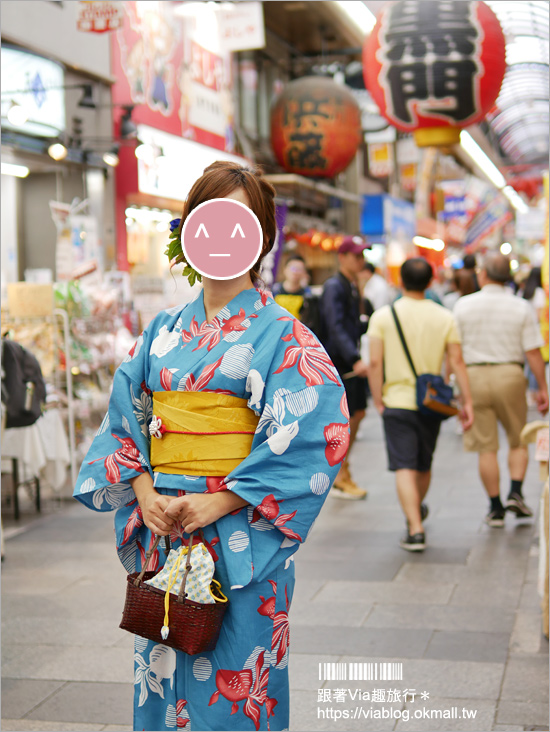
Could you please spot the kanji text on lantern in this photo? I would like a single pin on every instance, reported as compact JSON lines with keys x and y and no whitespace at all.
{"x":431,"y":58}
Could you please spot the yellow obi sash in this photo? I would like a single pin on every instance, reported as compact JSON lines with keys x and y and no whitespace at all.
{"x":199,"y":432}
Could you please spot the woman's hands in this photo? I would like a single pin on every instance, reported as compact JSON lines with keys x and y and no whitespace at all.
{"x":152,"y":505}
{"x":196,"y":510}
{"x":153,"y":509}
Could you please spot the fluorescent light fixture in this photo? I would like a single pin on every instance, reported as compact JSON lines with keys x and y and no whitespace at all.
{"x":506,"y":248}
{"x":17,"y":115}
{"x":471,"y":148}
{"x":358,"y":12}
{"x":515,"y":199}
{"x":148,"y":215}
{"x":19,"y":171}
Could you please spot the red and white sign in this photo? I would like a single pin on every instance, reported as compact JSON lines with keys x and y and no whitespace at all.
{"x":99,"y":16}
{"x":241,"y":26}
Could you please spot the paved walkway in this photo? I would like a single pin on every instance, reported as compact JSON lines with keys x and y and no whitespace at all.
{"x":463,"y":618}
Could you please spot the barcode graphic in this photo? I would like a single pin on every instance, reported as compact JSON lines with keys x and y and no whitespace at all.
{"x":360,"y":671}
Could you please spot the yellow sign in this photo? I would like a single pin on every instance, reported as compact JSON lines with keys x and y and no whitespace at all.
{"x":545,"y":264}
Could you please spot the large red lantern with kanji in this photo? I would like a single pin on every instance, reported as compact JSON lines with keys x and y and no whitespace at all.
{"x":435,"y":67}
{"x":315,"y":127}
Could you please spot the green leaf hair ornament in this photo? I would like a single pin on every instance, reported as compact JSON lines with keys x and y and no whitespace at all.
{"x":174,"y":252}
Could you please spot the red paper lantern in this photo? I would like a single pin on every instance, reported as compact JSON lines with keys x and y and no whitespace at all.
{"x":315,"y":127}
{"x":435,"y":67}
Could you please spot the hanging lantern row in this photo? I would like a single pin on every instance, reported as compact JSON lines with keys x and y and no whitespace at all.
{"x":434,"y":68}
{"x":317,"y":239}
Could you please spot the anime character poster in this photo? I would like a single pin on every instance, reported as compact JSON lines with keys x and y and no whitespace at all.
{"x":171,"y":68}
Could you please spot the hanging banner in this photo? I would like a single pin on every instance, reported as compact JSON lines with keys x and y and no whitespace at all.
{"x":491,"y":218}
{"x":99,"y":16}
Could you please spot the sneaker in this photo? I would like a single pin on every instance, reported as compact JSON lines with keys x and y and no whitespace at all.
{"x":495,"y":518}
{"x":348,"y":491}
{"x":414,"y":543}
{"x":517,"y":505}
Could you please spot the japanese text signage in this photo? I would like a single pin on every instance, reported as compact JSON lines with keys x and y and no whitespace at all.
{"x":435,"y":64}
{"x":99,"y":16}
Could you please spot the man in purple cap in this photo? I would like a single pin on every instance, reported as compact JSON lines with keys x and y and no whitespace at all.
{"x":341,"y":312}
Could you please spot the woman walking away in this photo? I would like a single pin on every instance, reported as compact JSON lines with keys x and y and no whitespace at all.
{"x":227,"y":416}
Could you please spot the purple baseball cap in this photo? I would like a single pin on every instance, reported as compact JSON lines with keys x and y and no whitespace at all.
{"x":353,"y":244}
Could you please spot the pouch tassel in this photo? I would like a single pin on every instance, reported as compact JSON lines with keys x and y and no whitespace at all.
{"x":172,"y":577}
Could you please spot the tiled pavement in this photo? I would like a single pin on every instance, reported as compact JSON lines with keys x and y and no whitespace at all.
{"x":463,"y":617}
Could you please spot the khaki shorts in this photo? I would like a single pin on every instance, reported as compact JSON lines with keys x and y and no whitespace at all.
{"x":499,"y":395}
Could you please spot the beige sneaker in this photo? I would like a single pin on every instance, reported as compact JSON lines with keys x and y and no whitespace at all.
{"x":348,"y":491}
{"x":345,"y":487}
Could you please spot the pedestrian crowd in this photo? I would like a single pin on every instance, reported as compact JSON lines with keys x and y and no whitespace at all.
{"x":468,"y":327}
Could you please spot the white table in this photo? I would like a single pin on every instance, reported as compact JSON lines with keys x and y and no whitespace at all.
{"x":38,"y":452}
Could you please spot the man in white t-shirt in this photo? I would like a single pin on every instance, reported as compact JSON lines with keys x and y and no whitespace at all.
{"x":376,"y":288}
{"x":499,"y":332}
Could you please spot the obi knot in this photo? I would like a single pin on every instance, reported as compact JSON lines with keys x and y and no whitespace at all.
{"x":156,"y":428}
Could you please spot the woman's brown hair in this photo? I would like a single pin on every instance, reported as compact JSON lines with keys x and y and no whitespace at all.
{"x":222,"y":178}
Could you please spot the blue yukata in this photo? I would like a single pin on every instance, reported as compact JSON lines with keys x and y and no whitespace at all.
{"x":253,"y":349}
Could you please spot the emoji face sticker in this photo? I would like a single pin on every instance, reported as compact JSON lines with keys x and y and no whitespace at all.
{"x":222,"y":238}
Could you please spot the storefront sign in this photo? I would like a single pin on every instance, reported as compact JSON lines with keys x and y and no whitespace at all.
{"x":380,"y":159}
{"x":183,"y":161}
{"x":241,"y":26}
{"x":99,"y":16}
{"x":387,"y":215}
{"x":37,"y":85}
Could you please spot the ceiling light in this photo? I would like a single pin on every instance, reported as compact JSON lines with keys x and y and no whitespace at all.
{"x":506,"y":248}
{"x":57,"y":151}
{"x":514,"y":265}
{"x":111,"y":157}
{"x":471,"y":148}
{"x":17,"y":115}
{"x":19,"y":171}
{"x":363,"y":18}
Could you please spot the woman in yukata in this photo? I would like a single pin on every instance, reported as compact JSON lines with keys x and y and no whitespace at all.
{"x":230,"y":361}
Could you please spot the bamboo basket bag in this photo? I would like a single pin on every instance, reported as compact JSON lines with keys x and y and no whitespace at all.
{"x":193,"y":627}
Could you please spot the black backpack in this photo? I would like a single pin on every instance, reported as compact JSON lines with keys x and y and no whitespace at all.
{"x":23,"y":387}
{"x":311,"y":316}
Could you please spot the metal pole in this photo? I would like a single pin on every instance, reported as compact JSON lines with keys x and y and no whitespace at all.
{"x":70,"y":401}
